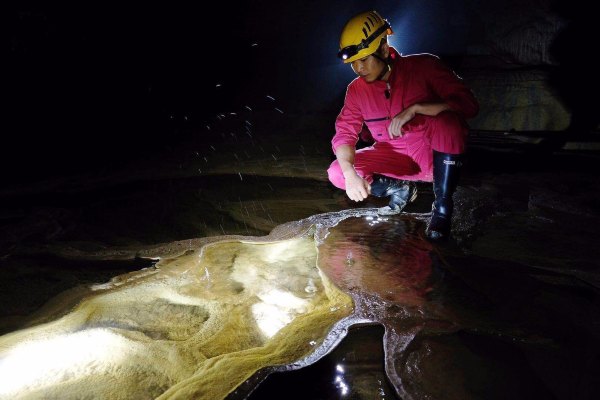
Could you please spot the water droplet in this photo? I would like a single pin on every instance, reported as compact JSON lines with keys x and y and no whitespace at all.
{"x":349,"y":259}
{"x":240,"y":174}
{"x":278,"y":110}
{"x":271,"y":97}
{"x":248,"y":108}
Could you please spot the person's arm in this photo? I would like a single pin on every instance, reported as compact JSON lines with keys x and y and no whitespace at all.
{"x":451,"y":89}
{"x":347,"y":126}
{"x":349,"y":121}
{"x":430,"y":109}
{"x":454,"y":95}
{"x":357,"y":188}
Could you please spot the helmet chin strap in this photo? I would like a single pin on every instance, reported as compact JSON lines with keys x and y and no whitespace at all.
{"x":387,"y":66}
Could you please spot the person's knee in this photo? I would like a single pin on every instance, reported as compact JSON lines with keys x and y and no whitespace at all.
{"x":335,"y":175}
{"x":450,"y":123}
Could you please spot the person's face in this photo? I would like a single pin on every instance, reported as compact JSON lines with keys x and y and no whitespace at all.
{"x":370,"y":67}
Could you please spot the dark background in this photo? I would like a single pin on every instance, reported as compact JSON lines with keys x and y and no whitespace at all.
{"x":88,"y":85}
{"x":93,"y":84}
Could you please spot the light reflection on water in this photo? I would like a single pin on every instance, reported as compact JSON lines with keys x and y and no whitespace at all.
{"x":387,"y":268}
{"x":353,"y":370}
{"x":196,"y":327}
{"x":387,"y":259}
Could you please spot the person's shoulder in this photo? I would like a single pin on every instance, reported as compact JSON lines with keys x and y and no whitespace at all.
{"x":354,"y":81}
{"x":355,"y":84}
{"x":424,"y":58}
{"x":422,"y":62}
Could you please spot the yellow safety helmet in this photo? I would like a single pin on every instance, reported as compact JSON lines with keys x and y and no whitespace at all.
{"x":361,"y":36}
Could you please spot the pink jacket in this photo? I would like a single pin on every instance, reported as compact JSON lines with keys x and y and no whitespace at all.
{"x":414,"y":79}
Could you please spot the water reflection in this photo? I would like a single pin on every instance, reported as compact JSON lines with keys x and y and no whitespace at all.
{"x":380,"y":256}
{"x":353,"y":370}
{"x":216,"y":321}
{"x":387,"y":268}
{"x":442,"y":338}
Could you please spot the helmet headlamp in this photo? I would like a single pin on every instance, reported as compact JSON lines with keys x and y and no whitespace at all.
{"x":352,"y":50}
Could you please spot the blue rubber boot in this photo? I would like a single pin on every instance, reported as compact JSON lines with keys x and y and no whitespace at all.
{"x":446,"y":173}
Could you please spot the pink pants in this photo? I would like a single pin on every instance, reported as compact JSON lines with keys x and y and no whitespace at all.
{"x":408,"y":157}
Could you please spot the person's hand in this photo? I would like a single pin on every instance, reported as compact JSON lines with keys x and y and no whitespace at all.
{"x":395,"y":128}
{"x":357,"y":188}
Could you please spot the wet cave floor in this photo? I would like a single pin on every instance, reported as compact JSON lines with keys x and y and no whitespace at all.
{"x":509,"y":308}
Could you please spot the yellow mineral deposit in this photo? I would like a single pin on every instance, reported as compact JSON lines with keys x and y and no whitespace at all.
{"x":197,"y":327}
